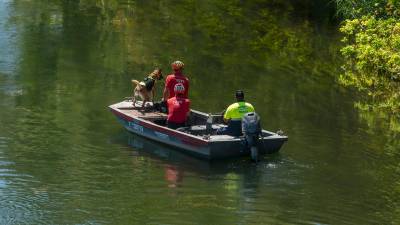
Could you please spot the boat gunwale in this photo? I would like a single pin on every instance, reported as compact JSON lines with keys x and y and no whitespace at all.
{"x":183,"y":135}
{"x":169,"y":131}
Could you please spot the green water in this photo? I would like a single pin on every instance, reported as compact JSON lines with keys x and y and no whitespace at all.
{"x":64,"y":159}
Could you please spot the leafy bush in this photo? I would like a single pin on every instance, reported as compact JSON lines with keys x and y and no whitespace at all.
{"x":372,"y":51}
{"x":378,"y":8}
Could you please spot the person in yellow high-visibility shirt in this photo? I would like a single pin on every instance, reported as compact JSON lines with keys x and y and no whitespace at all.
{"x":233,"y":115}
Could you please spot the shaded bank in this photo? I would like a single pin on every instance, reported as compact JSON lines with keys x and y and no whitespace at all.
{"x":371,"y":57}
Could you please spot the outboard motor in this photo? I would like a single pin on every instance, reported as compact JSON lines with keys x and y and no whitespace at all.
{"x":251,"y":129}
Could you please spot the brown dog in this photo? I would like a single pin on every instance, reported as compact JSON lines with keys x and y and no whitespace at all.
{"x":145,"y":89}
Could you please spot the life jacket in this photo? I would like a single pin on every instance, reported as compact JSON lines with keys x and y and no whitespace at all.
{"x":148,"y":82}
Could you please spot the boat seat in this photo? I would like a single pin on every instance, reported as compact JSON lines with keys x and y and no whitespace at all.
{"x":183,"y":129}
{"x":203,"y":127}
{"x":199,"y":129}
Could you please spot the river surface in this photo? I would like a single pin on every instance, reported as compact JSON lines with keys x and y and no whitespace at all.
{"x":64,"y":159}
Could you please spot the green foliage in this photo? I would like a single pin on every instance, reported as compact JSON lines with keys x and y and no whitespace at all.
{"x":372,"y":59}
{"x":372,"y":52}
{"x":377,"y":8}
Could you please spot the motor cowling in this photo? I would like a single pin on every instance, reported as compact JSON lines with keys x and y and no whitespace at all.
{"x":251,"y":129}
{"x":251,"y":124}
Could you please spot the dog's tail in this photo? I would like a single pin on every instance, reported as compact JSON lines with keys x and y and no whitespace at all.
{"x":135,"y":83}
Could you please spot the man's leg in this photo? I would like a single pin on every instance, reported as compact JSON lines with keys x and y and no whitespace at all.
{"x":222,"y":130}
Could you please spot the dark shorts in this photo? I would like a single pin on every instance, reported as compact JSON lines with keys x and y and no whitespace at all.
{"x":234,"y":128}
{"x":174,"y":126}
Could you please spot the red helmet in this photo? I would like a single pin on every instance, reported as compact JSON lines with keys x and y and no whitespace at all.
{"x":179,"y":88}
{"x":177,"y":65}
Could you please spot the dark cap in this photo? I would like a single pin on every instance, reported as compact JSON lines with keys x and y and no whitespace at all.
{"x":239,"y":94}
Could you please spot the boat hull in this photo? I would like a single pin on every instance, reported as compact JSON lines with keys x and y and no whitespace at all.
{"x":193,"y":147}
{"x":205,"y":147}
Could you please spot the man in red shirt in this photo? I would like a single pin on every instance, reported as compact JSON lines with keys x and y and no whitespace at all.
{"x":175,"y":78}
{"x":178,"y":108}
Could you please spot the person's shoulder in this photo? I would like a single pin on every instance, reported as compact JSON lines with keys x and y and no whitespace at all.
{"x":232,"y":106}
{"x":182,"y":76}
{"x":170,"y":76}
{"x":249,"y":105}
{"x":235,"y":104}
{"x":230,"y":110}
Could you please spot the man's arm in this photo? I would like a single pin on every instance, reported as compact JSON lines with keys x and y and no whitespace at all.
{"x":226,"y":120}
{"x":166,"y":90}
{"x":188,"y":121}
{"x":227,"y":117}
{"x":165,"y":94}
{"x":250,"y":107}
{"x":187,"y":91}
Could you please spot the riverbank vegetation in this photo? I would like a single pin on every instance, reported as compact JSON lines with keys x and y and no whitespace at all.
{"x":372,"y":52}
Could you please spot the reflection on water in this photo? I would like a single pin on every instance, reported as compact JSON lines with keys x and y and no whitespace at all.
{"x":65,"y":160}
{"x":165,"y":153}
{"x":173,"y":175}
{"x":240,"y":180}
{"x":8,"y":39}
{"x":19,"y":199}
{"x":177,"y":159}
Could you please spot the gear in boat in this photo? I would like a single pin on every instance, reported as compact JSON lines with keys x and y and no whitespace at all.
{"x":199,"y":124}
{"x":199,"y":136}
